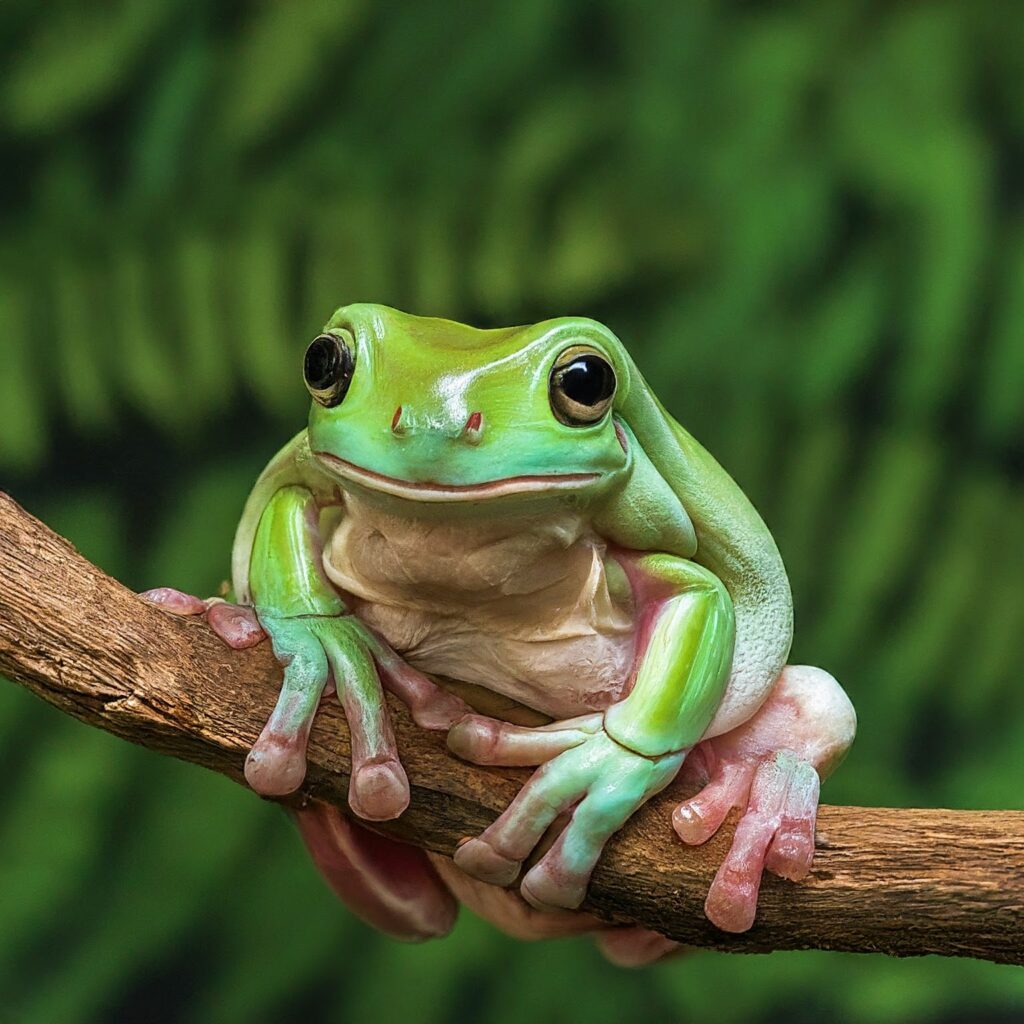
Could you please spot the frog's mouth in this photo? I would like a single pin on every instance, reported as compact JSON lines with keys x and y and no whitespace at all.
{"x":431,"y":490}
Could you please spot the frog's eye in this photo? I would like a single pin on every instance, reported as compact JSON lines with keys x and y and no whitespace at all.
{"x":581,"y":386}
{"x":328,"y":367}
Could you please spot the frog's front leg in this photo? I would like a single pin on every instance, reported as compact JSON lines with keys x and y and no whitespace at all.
{"x":318,"y":639}
{"x":770,"y":768}
{"x":605,"y":766}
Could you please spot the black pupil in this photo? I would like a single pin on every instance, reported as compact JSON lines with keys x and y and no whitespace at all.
{"x":587,"y":380}
{"x":324,"y":364}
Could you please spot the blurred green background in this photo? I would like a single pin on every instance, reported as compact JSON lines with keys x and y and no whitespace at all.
{"x":806,"y":221}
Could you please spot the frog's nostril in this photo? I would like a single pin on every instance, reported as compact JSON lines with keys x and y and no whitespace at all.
{"x":474,"y":428}
{"x":397,"y":425}
{"x":621,"y":435}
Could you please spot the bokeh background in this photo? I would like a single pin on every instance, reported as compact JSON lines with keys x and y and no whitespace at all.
{"x":806,"y":221}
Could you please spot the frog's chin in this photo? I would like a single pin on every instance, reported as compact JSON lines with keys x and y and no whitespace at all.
{"x":433,"y":491}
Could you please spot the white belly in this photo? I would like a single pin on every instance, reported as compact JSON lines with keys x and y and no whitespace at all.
{"x":562,"y":676}
{"x":526,"y":613}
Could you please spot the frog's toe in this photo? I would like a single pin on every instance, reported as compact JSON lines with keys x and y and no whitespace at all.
{"x":276,"y":765}
{"x":732,"y":900}
{"x":696,"y":820}
{"x":792,"y":850}
{"x":781,"y":810}
{"x":379,"y":789}
{"x":484,"y":740}
{"x":506,"y":909}
{"x":236,"y":625}
{"x":496,"y":855}
{"x":431,"y":706}
{"x":560,"y":878}
{"x":437,"y":712}
{"x":547,"y":887}
{"x":479,"y":859}
{"x":176,"y":602}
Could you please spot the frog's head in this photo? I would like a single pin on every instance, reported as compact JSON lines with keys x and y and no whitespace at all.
{"x":433,"y":411}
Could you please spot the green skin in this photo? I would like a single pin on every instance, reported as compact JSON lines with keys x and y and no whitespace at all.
{"x":710,"y":592}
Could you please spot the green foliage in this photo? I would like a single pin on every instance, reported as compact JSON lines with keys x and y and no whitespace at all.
{"x":804,"y":219}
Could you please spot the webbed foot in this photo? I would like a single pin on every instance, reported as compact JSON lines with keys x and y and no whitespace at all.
{"x":584,"y":770}
{"x":340,"y":650}
{"x":315,"y":652}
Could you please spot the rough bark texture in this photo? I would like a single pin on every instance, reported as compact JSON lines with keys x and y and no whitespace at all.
{"x":899,"y":881}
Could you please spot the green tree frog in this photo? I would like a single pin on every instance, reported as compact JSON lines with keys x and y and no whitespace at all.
{"x":515,"y":510}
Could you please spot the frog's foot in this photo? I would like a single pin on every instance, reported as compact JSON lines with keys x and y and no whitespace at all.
{"x":780,"y":796}
{"x":318,"y":653}
{"x":770,"y":767}
{"x":314,"y":650}
{"x":389,"y":885}
{"x":235,"y":624}
{"x":584,"y":770}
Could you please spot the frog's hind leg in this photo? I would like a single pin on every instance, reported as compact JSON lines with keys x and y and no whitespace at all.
{"x":387,"y":884}
{"x":770,"y":768}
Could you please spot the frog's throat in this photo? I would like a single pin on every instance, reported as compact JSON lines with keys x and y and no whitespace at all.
{"x":430,"y":490}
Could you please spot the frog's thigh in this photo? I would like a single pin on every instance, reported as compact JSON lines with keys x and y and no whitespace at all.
{"x":388,"y":884}
{"x":806,"y":712}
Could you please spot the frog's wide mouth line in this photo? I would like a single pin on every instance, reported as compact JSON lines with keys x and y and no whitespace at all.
{"x":430,"y":490}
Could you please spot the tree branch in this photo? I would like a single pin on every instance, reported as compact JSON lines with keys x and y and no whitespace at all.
{"x":903,"y":882}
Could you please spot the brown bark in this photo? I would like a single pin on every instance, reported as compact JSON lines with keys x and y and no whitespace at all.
{"x":899,"y":881}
